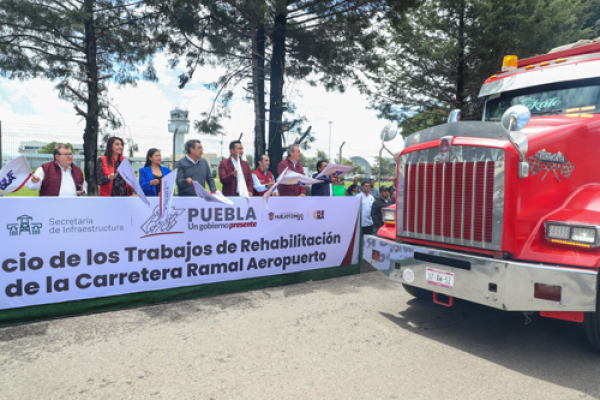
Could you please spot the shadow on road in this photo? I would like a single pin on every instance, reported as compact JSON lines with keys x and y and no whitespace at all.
{"x":551,"y":350}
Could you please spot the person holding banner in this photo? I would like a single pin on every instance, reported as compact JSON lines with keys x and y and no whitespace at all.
{"x":110,"y":183}
{"x":59,"y":177}
{"x":323,"y":189}
{"x":152,"y":174}
{"x":262,"y":178}
{"x":293,"y":164}
{"x":232,"y":168}
{"x":193,"y":168}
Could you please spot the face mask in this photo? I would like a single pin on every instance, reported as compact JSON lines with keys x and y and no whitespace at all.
{"x":354,"y":194}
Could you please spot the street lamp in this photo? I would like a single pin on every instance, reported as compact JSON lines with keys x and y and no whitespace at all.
{"x":330,"y":122}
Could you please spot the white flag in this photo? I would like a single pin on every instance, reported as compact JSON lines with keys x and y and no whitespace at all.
{"x":269,"y":192}
{"x":128,"y":174}
{"x":335,"y":171}
{"x":205,"y":194}
{"x":294,"y":178}
{"x":14,"y":175}
{"x":241,"y":180}
{"x":167,"y":191}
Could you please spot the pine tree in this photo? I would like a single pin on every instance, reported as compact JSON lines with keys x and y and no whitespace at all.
{"x":445,"y":49}
{"x":271,"y":42}
{"x":80,"y":44}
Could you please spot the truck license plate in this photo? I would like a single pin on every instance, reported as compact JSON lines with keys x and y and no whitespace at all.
{"x":439,"y":278}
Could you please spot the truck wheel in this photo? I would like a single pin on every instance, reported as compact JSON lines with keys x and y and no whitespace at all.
{"x":418,"y":293}
{"x":592,"y":326}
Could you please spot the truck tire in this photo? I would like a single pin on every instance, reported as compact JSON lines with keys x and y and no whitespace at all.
{"x":418,"y":293}
{"x":592,"y":326}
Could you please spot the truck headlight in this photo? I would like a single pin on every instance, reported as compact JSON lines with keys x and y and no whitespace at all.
{"x":558,"y":231}
{"x":389,"y":214}
{"x":585,"y":235}
{"x":571,"y":234}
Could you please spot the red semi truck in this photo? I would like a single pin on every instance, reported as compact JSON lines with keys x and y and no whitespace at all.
{"x":505,"y":212}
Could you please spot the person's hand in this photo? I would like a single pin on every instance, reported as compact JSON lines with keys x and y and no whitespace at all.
{"x":188,"y":180}
{"x":302,"y":195}
{"x":111,"y":176}
{"x":80,"y":192}
{"x":269,"y":185}
{"x":250,"y":194}
{"x":35,"y":178}
{"x":134,"y":194}
{"x":154,"y":182}
{"x":275,"y":194}
{"x":235,"y":172}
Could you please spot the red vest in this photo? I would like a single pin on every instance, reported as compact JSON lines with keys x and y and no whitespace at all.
{"x":53,"y":178}
{"x":263,"y":179}
{"x":106,"y":190}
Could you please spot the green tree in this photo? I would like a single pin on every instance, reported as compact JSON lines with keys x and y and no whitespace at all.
{"x":81,"y":45}
{"x":387,"y":168}
{"x":49,"y":148}
{"x":445,"y":49}
{"x":259,"y":41}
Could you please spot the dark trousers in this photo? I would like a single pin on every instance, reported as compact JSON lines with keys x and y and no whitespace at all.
{"x":367,"y":230}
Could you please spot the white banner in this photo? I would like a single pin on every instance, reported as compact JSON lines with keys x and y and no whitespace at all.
{"x":61,"y":249}
{"x":129,"y":176}
{"x":14,"y":175}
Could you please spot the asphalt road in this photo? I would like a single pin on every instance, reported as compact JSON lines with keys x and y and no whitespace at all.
{"x":356,"y":337}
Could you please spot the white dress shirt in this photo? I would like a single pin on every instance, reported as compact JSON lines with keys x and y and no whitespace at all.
{"x":67,"y":184}
{"x":366,"y":203}
{"x":260,"y":187}
{"x":192,"y":161}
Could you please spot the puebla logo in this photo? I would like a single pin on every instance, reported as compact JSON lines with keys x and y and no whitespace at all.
{"x":153,"y":225}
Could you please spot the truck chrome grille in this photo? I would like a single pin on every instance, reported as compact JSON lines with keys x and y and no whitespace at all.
{"x":458,"y":202}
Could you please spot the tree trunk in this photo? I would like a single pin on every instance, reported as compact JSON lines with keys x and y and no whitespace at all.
{"x":277,"y":72}
{"x":90,"y":134}
{"x":258,"y":89}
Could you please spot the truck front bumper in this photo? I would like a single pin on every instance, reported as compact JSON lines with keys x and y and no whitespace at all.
{"x":502,"y":284}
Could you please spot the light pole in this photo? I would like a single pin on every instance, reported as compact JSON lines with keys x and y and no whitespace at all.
{"x":330,"y":122}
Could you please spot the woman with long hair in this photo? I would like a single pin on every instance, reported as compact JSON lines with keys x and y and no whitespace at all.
{"x":152,"y":174}
{"x":110,"y":183}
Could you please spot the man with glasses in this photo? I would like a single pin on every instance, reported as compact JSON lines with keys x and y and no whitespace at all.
{"x":193,"y":167}
{"x":59,"y":177}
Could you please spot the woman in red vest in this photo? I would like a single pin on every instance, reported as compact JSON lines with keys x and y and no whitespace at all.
{"x":110,"y":183}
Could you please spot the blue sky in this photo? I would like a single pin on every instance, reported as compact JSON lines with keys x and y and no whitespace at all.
{"x":145,"y":109}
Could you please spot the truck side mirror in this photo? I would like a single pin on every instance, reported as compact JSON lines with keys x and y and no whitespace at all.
{"x":513,"y":120}
{"x":454,"y":116}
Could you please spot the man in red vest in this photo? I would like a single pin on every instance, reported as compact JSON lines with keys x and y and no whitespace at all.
{"x":228,"y":171}
{"x":262,"y":177}
{"x":59,"y":177}
{"x":293,"y":164}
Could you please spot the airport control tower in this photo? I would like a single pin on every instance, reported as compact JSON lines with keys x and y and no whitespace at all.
{"x":179,"y":126}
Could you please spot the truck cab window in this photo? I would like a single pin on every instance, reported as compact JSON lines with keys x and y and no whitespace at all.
{"x":546,"y":100}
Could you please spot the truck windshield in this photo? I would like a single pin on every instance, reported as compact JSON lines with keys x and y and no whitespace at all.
{"x":547,"y":100}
